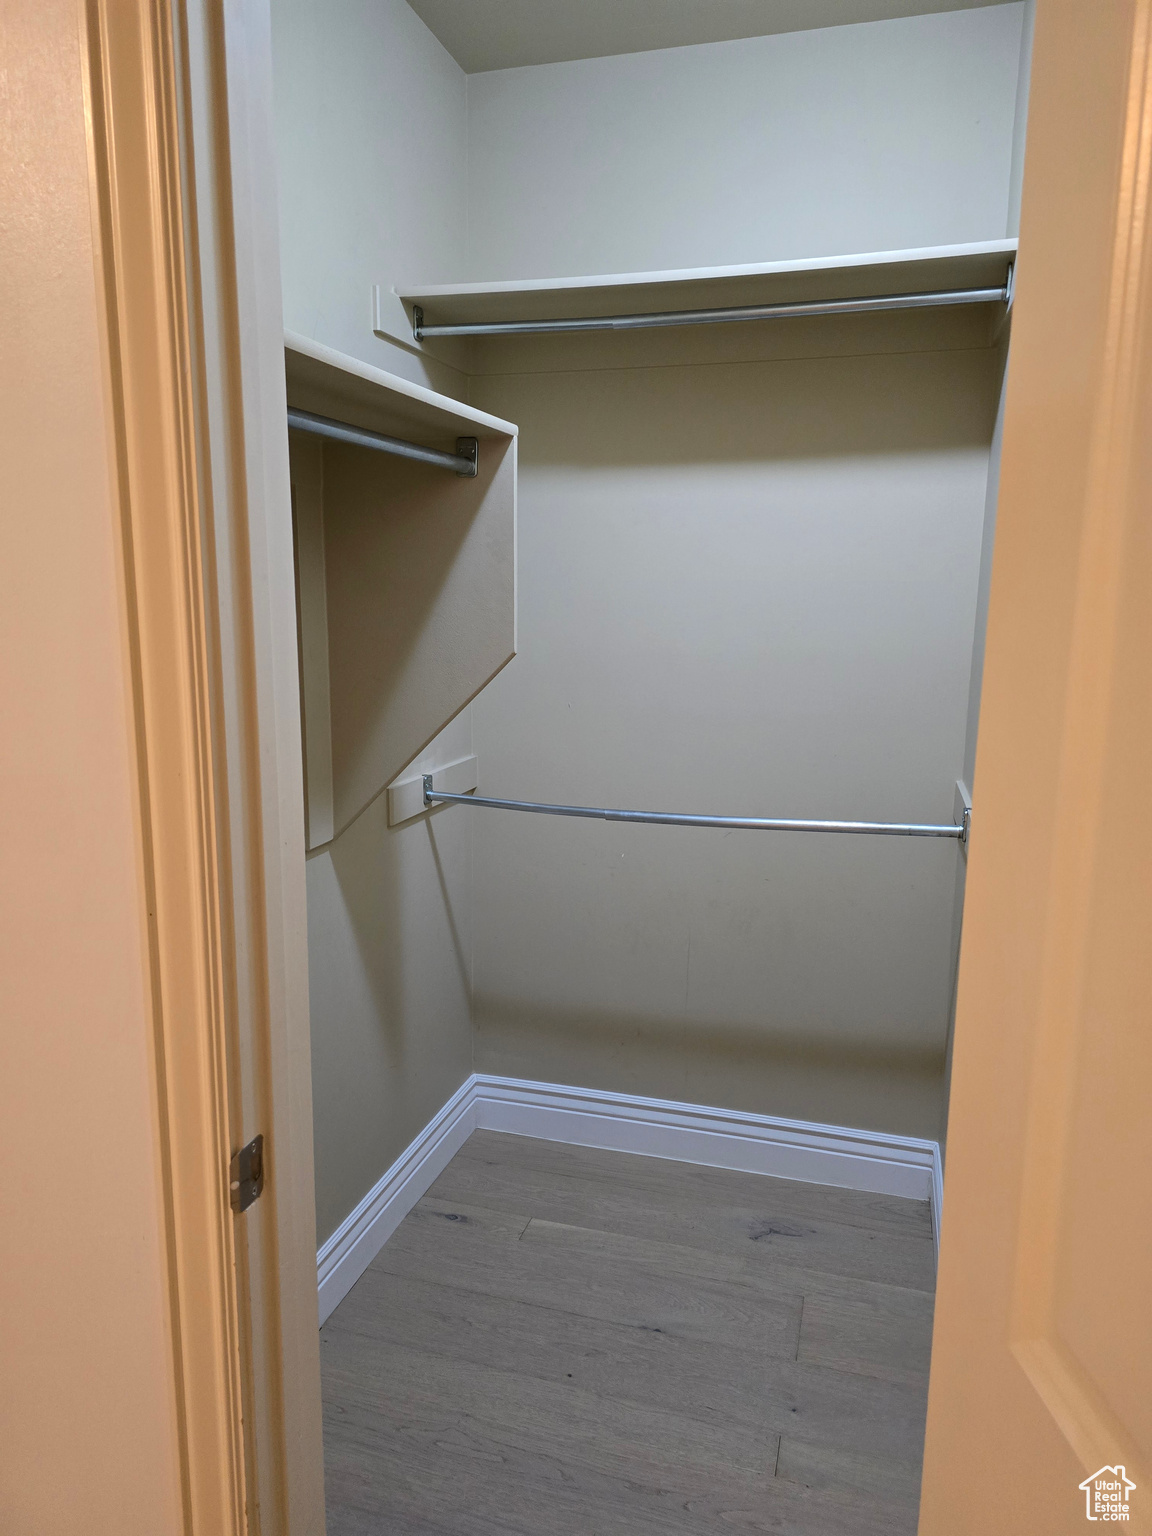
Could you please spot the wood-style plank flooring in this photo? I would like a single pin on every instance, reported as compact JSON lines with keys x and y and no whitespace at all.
{"x":565,"y":1342}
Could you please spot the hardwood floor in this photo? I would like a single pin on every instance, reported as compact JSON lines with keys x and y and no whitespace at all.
{"x":565,"y":1342}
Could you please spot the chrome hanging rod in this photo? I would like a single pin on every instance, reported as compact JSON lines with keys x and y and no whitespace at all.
{"x":939,"y":299}
{"x":464,"y":461}
{"x":731,"y":823}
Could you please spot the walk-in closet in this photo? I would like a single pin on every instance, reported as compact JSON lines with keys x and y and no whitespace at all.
{"x":644,"y":372}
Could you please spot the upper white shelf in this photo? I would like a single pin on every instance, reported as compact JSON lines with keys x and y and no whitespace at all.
{"x":330,"y":383}
{"x":879,"y":273}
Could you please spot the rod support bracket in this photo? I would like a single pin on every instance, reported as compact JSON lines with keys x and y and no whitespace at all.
{"x":417,"y":322}
{"x":962,"y":814}
{"x":469,"y":448}
{"x":428,"y":800}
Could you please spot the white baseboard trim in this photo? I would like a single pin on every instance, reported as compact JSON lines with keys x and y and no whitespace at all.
{"x":715,"y":1138}
{"x":359,"y":1238}
{"x":870,"y":1161}
{"x":937,"y":1194}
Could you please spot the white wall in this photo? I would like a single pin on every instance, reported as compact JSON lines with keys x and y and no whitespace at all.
{"x":872,"y":137}
{"x":371,"y":132}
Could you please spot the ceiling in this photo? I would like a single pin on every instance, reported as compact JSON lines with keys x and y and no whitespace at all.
{"x":500,"y":34}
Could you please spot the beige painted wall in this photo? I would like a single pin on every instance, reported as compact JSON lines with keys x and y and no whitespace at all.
{"x":390,"y":958}
{"x":766,"y":568}
{"x":389,"y":913}
{"x":372,"y":146}
{"x":745,"y":589}
{"x":880,"y":136}
{"x":381,"y":136}
{"x":87,"y":1411}
{"x":371,"y":133}
{"x":389,"y":966}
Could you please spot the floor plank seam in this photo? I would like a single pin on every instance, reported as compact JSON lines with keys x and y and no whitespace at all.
{"x":632,"y":1185}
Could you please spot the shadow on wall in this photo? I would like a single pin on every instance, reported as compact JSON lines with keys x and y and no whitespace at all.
{"x":754,"y":411}
{"x":421,"y":608}
{"x":378,"y":902}
{"x":367,"y":882}
{"x":389,"y":960}
{"x":748,"y":589}
{"x":682,"y":1057}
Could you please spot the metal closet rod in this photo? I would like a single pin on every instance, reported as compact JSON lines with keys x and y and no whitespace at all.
{"x":464,"y":461}
{"x":671,"y":819}
{"x":794,"y":309}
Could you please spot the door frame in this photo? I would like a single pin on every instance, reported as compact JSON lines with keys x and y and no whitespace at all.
{"x":182,"y":175}
{"x":1020,"y":1404}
